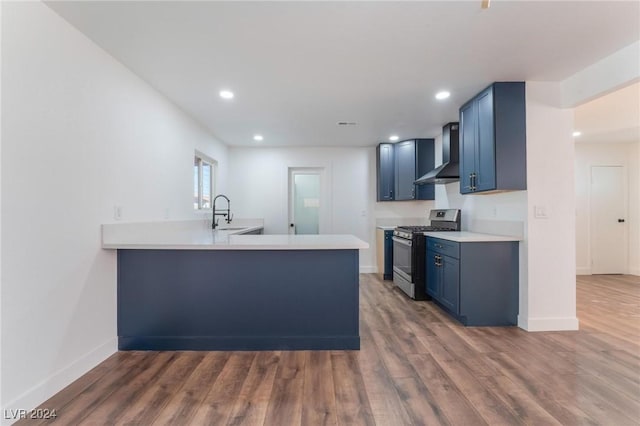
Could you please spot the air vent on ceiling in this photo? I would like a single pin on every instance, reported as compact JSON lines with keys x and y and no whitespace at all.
{"x":347,"y":123}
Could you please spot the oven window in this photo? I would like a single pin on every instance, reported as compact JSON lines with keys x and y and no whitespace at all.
{"x":402,"y":257}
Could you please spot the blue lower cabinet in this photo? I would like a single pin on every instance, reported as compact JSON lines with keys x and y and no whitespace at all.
{"x":450,"y":272}
{"x":475,"y":282}
{"x":433,"y":275}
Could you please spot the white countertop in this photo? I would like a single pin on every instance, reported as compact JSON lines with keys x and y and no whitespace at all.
{"x":470,"y":237}
{"x":386,"y":228}
{"x":193,"y":235}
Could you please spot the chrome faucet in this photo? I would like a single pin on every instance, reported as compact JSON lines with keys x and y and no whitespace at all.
{"x":224,"y":212}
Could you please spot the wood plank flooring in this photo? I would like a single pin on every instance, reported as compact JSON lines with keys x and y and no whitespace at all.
{"x":416,"y":367}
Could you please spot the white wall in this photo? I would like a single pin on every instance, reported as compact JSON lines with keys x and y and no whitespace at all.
{"x":607,"y":154}
{"x":1,"y":7}
{"x":550,"y":302}
{"x":604,"y":76}
{"x":258,"y":187}
{"x":80,"y":134}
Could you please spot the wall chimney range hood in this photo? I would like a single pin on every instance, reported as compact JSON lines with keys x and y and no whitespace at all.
{"x":449,"y":171}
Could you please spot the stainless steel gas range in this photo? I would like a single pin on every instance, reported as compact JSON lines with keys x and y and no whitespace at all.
{"x":409,"y":251}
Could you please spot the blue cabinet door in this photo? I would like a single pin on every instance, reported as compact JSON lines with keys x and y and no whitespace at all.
{"x":388,"y":255}
{"x":385,"y":172}
{"x":468,"y":118}
{"x":433,"y":274}
{"x":485,"y":177}
{"x":405,"y":170}
{"x":450,"y":278}
{"x":425,"y":162}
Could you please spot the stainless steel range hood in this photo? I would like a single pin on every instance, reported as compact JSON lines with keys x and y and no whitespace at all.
{"x":449,"y":171}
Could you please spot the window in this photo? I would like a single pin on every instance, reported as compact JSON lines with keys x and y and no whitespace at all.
{"x":204,"y":171}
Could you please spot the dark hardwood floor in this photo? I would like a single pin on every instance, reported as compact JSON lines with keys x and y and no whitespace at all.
{"x":416,"y":366}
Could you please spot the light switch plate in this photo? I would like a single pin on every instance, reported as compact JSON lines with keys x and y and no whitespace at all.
{"x":540,"y":212}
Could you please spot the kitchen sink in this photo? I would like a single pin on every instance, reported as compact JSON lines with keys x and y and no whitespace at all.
{"x":230,"y":229}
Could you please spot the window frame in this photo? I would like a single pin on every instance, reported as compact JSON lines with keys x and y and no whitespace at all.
{"x":201,"y":159}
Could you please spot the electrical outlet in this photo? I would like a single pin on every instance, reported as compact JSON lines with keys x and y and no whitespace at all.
{"x":117,"y":212}
{"x":166,"y":212}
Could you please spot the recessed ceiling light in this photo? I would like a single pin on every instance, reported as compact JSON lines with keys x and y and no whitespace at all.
{"x":576,"y":134}
{"x":258,"y":138}
{"x":226,"y":94}
{"x":442,"y":95}
{"x":394,"y":138}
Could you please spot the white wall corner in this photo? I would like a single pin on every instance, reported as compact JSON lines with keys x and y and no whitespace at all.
{"x":1,"y":405}
{"x":634,"y":271}
{"x":549,"y":324}
{"x":368,"y":269}
{"x":608,"y":74}
{"x":583,"y":270}
{"x":549,"y":300}
{"x":58,"y":380}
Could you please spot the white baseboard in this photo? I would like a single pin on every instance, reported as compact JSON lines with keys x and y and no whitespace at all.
{"x":548,"y":324}
{"x":368,"y":269}
{"x":58,"y":380}
{"x":587,"y":271}
{"x":583,"y":271}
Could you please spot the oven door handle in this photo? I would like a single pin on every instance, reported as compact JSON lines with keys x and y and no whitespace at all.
{"x":402,"y":241}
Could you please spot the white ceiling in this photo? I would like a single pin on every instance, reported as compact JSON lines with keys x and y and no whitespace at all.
{"x":612,"y":118}
{"x":297,"y":68}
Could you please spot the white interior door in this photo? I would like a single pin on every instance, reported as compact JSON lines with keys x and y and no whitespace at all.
{"x":306,"y":206}
{"x":608,"y":220}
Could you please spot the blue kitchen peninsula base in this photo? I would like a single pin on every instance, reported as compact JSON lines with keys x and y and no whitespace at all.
{"x":238,"y":299}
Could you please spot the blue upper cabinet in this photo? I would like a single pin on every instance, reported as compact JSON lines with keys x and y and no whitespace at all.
{"x":385,"y":172}
{"x":405,"y":170}
{"x":414,"y":158}
{"x":493,"y":140}
{"x":399,"y":165}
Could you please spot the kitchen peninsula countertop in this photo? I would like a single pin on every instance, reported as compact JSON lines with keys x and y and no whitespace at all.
{"x":196,"y":235}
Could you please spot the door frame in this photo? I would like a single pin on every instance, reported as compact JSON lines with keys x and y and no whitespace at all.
{"x":590,"y":222}
{"x":324,"y":213}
